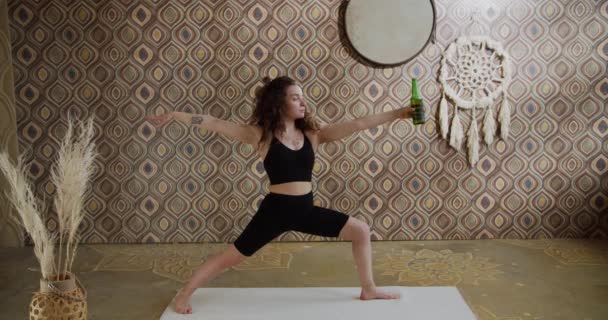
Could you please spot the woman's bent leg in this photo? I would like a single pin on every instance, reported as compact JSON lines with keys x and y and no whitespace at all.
{"x":358,"y":232}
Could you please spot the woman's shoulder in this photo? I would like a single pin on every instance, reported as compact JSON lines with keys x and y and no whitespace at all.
{"x":315,"y":131}
{"x":258,"y":130}
{"x":313,"y":135}
{"x":310,"y":133}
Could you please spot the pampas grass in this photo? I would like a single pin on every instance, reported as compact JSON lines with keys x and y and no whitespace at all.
{"x":70,"y":175}
{"x":29,"y":213}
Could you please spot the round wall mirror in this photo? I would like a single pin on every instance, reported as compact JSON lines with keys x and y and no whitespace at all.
{"x":389,"y":32}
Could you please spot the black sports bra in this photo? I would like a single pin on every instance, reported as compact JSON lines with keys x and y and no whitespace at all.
{"x":286,"y":165}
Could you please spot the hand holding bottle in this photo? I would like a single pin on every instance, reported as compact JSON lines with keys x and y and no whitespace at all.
{"x":418,"y":116}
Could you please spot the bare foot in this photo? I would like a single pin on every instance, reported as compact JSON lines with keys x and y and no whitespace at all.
{"x":182,"y":305}
{"x":369,"y":294}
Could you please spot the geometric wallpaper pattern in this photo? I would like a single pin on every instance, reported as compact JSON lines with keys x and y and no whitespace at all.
{"x":121,"y":60}
{"x":11,"y":234}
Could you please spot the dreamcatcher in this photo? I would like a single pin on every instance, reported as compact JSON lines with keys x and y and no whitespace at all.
{"x":474,"y":72}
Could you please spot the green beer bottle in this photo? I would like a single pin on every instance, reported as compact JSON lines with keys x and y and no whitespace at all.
{"x":416,"y":104}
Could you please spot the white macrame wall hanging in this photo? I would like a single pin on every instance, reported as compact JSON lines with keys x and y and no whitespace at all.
{"x":474,"y":72}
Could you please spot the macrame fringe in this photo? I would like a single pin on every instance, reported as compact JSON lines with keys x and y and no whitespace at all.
{"x":456,"y":134}
{"x":443,"y":117}
{"x":473,"y":141}
{"x":489,"y":126}
{"x":504,"y":118}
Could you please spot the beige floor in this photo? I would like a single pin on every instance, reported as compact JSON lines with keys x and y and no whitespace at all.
{"x":500,"y":279}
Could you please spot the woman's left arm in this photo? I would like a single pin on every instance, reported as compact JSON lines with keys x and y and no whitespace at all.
{"x":338,"y":131}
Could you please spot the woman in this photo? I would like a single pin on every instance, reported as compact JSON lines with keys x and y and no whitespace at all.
{"x":286,"y":138}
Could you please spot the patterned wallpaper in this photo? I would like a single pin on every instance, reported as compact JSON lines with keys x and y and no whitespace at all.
{"x":122,"y":60}
{"x":10,"y":233}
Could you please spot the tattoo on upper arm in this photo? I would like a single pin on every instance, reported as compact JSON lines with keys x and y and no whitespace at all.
{"x":197,"y":120}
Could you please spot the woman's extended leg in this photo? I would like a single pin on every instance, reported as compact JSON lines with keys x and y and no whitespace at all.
{"x":207,"y":271}
{"x":263,"y":228}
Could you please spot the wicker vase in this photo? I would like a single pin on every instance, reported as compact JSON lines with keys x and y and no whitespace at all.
{"x":59,"y":299}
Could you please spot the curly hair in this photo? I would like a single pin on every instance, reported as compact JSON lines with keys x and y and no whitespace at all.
{"x":270,"y":104}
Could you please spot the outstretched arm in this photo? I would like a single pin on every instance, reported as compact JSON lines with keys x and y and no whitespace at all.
{"x":242,"y":132}
{"x":341,"y":130}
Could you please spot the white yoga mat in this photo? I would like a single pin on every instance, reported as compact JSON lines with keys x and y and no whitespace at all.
{"x":318,"y":303}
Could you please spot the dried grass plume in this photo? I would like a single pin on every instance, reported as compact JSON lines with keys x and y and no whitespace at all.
{"x":71,"y":176}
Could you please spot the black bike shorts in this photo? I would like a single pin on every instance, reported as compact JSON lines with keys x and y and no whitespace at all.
{"x":279,"y":213}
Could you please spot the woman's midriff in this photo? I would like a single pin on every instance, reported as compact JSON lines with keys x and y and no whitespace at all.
{"x":296,"y":188}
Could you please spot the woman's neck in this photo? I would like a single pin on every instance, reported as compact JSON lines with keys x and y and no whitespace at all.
{"x":290,"y":127}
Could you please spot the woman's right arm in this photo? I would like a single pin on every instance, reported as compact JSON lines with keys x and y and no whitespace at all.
{"x":242,"y":132}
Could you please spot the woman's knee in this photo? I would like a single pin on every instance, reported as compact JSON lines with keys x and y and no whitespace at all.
{"x":364,"y":231}
{"x":355,"y":229}
{"x":232,"y":256}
